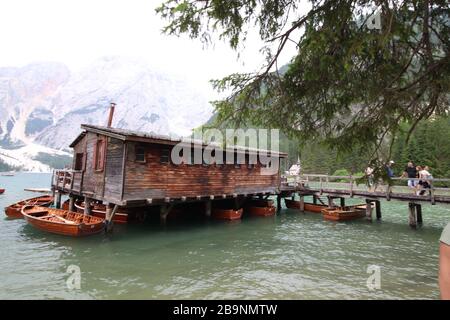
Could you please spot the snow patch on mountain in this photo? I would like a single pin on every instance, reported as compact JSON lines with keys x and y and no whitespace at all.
{"x":44,"y":104}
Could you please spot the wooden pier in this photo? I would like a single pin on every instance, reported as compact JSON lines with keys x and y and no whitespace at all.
{"x":343,"y":187}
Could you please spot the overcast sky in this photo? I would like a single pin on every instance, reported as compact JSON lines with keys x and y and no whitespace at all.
{"x":76,"y":32}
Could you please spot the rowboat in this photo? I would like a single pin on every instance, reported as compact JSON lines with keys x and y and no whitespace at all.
{"x":261,"y":202}
{"x":7,"y":174}
{"x":227,"y":214}
{"x":62,"y":222}
{"x":344,"y":213}
{"x":13,"y":211}
{"x":261,"y":211}
{"x":310,"y":207}
{"x":2,"y":191}
{"x":99,"y":210}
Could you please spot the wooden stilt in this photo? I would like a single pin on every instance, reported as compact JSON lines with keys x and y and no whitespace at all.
{"x":278,"y":202}
{"x":330,"y":202}
{"x":163,"y":213}
{"x":419,"y":214}
{"x":302,"y":203}
{"x":208,"y":205}
{"x":87,"y":206}
{"x":369,"y":209}
{"x":378,"y":209}
{"x":412,"y":215}
{"x":72,"y":203}
{"x":58,"y":200}
{"x":111,"y":210}
{"x":314,"y":199}
{"x":342,"y":202}
{"x":54,"y":196}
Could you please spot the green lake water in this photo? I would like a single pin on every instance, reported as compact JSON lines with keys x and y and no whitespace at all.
{"x":289,"y":256}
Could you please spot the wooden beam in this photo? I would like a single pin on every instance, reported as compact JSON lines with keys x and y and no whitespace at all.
{"x":412,"y":215}
{"x":58,"y":200}
{"x":369,"y":209}
{"x":419,"y":214}
{"x":72,"y":203}
{"x":87,"y":206}
{"x":378,"y":209}
{"x":208,"y":205}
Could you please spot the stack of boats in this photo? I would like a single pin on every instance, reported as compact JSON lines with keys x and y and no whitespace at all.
{"x":37,"y":212}
{"x":331,"y":213}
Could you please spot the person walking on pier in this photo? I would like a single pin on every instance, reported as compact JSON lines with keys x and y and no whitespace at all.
{"x":389,"y":169}
{"x":424,"y":183}
{"x":411,"y":172}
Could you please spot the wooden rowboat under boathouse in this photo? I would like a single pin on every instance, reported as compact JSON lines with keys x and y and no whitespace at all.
{"x":133,"y":170}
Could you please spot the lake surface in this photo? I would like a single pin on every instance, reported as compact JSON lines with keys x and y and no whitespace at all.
{"x":289,"y":256}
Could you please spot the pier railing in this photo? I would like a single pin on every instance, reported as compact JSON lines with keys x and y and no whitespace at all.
{"x":439,"y":190}
{"x":67,"y":180}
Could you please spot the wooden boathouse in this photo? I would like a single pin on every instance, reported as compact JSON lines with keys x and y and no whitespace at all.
{"x":134,"y":169}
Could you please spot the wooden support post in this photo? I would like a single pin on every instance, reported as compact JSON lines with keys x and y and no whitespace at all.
{"x":302,"y":203}
{"x":279,"y":202}
{"x":330,"y":202}
{"x":260,"y":197}
{"x":87,"y":206}
{"x":208,"y":205}
{"x":369,"y":209}
{"x":58,"y":200}
{"x":388,"y":193}
{"x":111,"y":210}
{"x":419,"y":214}
{"x":351,"y":186}
{"x":72,"y":203}
{"x":412,"y":215}
{"x":163,"y":213}
{"x":342,"y":199}
{"x":378,"y":209}
{"x":293,"y":196}
{"x":314,"y":199}
{"x":54,"y":195}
